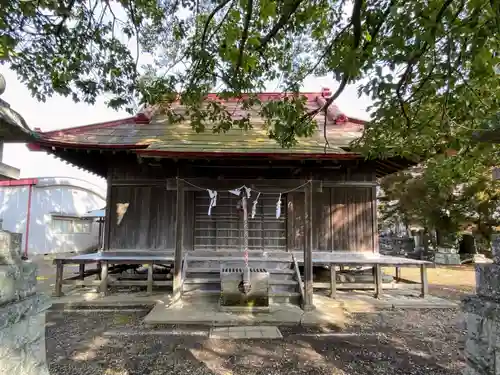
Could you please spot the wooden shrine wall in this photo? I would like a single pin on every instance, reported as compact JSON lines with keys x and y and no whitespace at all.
{"x":343,"y":218}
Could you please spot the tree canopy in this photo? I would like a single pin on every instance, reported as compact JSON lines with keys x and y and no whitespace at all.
{"x":428,"y":66}
{"x":449,"y":195}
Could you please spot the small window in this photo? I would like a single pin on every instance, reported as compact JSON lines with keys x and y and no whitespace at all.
{"x":67,"y":225}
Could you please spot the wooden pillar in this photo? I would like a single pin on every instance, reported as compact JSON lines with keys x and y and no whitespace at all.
{"x":375,"y":221}
{"x":398,"y":274}
{"x":82,"y":272}
{"x":290,"y":235}
{"x":179,"y":230}
{"x":104,"y":278}
{"x":99,"y":269}
{"x":333,"y":281}
{"x":308,"y":265}
{"x":59,"y":278}
{"x":378,"y":280}
{"x":150,"y":279}
{"x":107,"y":218}
{"x":423,"y":280}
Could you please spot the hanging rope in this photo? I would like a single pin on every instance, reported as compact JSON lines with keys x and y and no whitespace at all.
{"x":245,"y":229}
{"x":244,"y":193}
{"x":246,"y":284}
{"x":245,"y":187}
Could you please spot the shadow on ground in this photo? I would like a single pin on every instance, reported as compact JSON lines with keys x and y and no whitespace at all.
{"x":388,"y":342}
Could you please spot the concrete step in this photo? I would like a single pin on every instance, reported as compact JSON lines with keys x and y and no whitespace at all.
{"x":278,"y":286}
{"x":284,"y":297}
{"x":274,"y":297}
{"x":201,"y":288}
{"x":282,"y":282}
{"x":202,"y":280}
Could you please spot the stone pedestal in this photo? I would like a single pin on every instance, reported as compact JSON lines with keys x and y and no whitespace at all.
{"x":482,"y":318}
{"x":22,"y":313}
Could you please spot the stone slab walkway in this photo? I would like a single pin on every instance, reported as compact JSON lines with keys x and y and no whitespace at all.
{"x":328,"y":312}
{"x":245,"y":332}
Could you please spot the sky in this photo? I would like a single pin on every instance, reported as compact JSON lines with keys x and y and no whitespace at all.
{"x":60,"y":112}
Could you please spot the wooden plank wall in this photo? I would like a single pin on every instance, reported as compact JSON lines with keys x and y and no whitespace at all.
{"x":342,"y":216}
{"x":351,"y":218}
{"x":149,"y":222}
{"x":342,"y":219}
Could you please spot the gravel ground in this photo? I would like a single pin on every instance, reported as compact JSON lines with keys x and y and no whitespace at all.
{"x":388,"y":342}
{"x":115,"y":342}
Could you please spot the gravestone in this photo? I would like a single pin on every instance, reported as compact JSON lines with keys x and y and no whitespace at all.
{"x":446,"y":255}
{"x":482,"y":318}
{"x":22,"y":312}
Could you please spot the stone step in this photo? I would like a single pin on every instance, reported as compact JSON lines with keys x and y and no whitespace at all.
{"x":215,"y":288}
{"x":274,"y":297}
{"x":205,"y":280}
{"x":201,"y":288}
{"x":285,"y":297}
{"x":283,"y":282}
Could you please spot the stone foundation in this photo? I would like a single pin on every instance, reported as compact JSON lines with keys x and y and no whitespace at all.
{"x":482,"y":318}
{"x":22,"y":314}
{"x":22,"y":337}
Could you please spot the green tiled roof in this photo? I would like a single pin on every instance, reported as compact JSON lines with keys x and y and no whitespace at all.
{"x":160,"y":135}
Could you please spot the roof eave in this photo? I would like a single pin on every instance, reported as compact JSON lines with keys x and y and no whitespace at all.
{"x":270,"y":155}
{"x":42,"y":145}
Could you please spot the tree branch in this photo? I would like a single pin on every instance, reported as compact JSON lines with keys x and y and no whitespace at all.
{"x":356,"y":22}
{"x":219,"y":25}
{"x":414,"y":59}
{"x":244,"y":35}
{"x":343,"y":83}
{"x":379,"y":25}
{"x":210,"y":18}
{"x":356,"y":42}
{"x":281,"y":23}
{"x":67,"y":13}
{"x":328,"y":49}
{"x":327,"y":144}
{"x":136,"y":27}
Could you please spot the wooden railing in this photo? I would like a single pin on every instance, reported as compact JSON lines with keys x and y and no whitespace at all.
{"x":184,"y":269}
{"x":299,"y":278}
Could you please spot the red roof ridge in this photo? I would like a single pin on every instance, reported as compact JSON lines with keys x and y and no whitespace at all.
{"x":334,"y":113}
